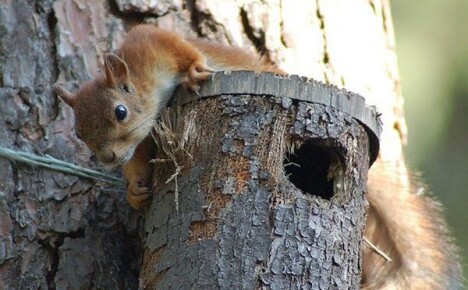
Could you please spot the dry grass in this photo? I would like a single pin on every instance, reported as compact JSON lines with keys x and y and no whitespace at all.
{"x":172,"y":135}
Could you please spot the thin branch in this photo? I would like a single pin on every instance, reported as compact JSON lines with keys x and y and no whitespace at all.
{"x":377,"y":250}
{"x":59,"y":165}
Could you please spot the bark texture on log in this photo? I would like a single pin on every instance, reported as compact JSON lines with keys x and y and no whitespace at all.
{"x":270,"y":195}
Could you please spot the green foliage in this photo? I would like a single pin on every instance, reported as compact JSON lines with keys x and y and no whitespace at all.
{"x":432,"y":47}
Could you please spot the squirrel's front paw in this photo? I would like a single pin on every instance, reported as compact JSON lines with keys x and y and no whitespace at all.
{"x":196,"y":73}
{"x":137,"y":194}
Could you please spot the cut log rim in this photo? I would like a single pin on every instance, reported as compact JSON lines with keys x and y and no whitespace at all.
{"x":292,"y":87}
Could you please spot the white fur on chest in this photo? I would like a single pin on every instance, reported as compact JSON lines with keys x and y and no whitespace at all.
{"x":165,"y":85}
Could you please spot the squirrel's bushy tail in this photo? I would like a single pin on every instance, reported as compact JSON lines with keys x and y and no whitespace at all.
{"x":408,"y":226}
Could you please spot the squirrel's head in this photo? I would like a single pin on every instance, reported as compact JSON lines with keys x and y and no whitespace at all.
{"x":110,"y":117}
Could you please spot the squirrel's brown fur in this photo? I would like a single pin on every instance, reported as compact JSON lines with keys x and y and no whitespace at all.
{"x":408,"y":226}
{"x":142,"y":76}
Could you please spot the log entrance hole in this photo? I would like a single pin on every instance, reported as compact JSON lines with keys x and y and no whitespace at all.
{"x":311,"y":169}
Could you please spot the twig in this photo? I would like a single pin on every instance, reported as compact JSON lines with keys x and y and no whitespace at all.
{"x":292,"y":163}
{"x":377,"y":250}
{"x":59,"y":165}
{"x":176,"y":184}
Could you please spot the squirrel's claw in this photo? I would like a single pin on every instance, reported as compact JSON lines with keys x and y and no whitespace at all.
{"x":196,"y":73}
{"x":137,"y":195}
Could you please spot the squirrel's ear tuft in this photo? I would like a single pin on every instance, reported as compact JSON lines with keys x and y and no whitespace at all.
{"x":116,"y":70}
{"x":65,"y":95}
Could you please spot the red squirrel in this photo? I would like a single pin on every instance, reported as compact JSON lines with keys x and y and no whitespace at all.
{"x":116,"y":112}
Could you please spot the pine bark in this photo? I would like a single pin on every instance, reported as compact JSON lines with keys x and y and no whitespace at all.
{"x":58,"y":231}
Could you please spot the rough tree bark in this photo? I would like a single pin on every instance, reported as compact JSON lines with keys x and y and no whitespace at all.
{"x":58,"y":231}
{"x":269,"y":191}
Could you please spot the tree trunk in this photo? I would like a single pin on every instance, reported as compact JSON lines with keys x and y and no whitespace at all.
{"x":58,"y":231}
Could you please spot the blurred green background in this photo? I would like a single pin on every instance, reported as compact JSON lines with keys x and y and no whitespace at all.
{"x":432,"y":48}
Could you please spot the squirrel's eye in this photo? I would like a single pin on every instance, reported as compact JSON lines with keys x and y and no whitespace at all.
{"x":120,"y":113}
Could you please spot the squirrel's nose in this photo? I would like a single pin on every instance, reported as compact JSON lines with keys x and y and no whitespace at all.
{"x":106,"y":156}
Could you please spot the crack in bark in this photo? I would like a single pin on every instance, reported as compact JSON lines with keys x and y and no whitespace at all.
{"x":326,"y":57}
{"x":384,"y":18}
{"x":372,"y":6}
{"x":131,"y":18}
{"x":54,"y":68}
{"x":152,"y":277}
{"x":281,"y":24}
{"x":52,"y":244}
{"x":257,"y":40}
{"x":199,"y":18}
{"x":54,"y":258}
{"x":52,"y":26}
{"x":195,"y":17}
